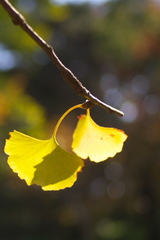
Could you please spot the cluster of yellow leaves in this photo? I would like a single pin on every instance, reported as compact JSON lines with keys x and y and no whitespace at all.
{"x":45,"y":163}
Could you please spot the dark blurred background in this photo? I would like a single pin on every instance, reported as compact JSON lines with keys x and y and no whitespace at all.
{"x":114,"y":49}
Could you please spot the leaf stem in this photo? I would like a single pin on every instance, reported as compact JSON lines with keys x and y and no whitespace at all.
{"x":63,"y":116}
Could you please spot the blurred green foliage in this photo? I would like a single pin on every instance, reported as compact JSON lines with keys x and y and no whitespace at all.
{"x":114,"y":50}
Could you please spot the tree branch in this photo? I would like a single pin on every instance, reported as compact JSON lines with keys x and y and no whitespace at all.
{"x":69,"y":77}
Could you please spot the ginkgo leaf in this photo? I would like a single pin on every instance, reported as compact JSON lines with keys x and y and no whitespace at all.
{"x":45,"y":163}
{"x":42,"y":162}
{"x":96,"y":142}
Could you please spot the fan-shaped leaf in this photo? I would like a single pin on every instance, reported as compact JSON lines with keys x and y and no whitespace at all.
{"x":96,"y":142}
{"x":42,"y":162}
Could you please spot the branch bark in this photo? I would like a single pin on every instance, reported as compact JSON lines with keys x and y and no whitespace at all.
{"x":69,"y":77}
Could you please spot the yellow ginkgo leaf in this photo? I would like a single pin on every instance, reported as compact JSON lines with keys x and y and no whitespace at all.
{"x":42,"y":162}
{"x":96,"y":142}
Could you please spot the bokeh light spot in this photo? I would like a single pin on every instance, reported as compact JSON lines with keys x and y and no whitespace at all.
{"x":116,"y":189}
{"x":108,"y":81}
{"x":113,"y":171}
{"x":108,"y":229}
{"x":140,"y":84}
{"x":151,"y":104}
{"x":113,"y":97}
{"x":98,"y":187}
{"x":130,"y":112}
{"x":9,"y":59}
{"x":27,"y":6}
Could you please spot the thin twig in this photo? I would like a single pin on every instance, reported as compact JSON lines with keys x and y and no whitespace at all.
{"x":69,"y":77}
